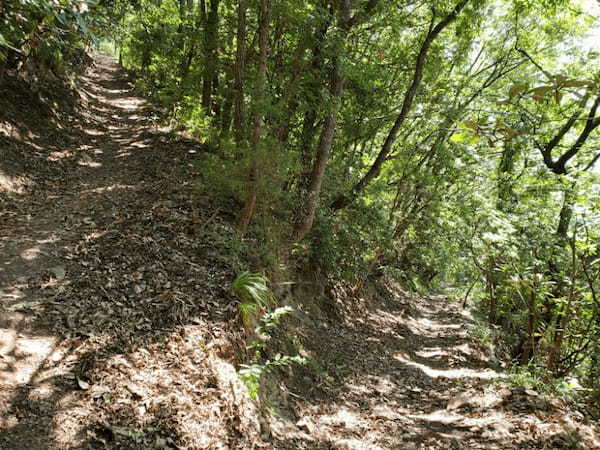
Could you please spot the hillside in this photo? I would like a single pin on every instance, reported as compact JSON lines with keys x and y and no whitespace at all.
{"x":118,"y":329}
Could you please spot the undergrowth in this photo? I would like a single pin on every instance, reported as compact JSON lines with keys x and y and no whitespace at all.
{"x":257,"y":298}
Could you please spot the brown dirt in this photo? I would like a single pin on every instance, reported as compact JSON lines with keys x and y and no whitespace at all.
{"x":400,"y":371}
{"x":117,"y":330}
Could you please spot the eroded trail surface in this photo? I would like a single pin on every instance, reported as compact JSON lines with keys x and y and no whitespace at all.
{"x":117,"y":329}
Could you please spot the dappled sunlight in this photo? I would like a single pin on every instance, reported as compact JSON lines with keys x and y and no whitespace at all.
{"x":11,"y":184}
{"x":139,"y":144}
{"x":70,"y":419}
{"x":42,"y":390}
{"x":487,"y":374}
{"x":105,"y":189}
{"x":89,"y":163}
{"x":436,"y":352}
{"x":31,"y":253}
{"x":57,"y":156}
{"x":22,"y":356}
{"x":491,"y":420}
{"x":93,"y":132}
{"x":11,"y":293}
{"x":128,"y":104}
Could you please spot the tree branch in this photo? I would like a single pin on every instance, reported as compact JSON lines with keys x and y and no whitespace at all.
{"x":434,"y":31}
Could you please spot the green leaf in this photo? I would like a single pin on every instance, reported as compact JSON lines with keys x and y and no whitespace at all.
{"x":4,"y":43}
{"x":464,"y":138}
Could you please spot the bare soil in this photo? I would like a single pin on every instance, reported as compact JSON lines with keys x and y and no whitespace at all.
{"x":117,"y":330}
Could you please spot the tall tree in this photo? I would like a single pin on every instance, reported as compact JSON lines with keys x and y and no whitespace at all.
{"x":433,"y":32}
{"x":257,"y":116}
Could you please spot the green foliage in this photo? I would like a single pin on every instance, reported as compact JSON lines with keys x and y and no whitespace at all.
{"x":251,"y":374}
{"x":192,"y":117}
{"x":255,"y":293}
{"x":43,"y":32}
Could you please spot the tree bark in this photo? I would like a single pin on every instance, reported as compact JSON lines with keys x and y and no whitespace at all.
{"x":322,"y":156}
{"x":238,"y":73}
{"x":210,"y":55}
{"x":325,"y":142}
{"x":257,"y":116}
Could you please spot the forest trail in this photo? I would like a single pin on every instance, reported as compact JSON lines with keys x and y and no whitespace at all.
{"x":404,"y":372}
{"x":35,"y":245}
{"x":116,"y":329}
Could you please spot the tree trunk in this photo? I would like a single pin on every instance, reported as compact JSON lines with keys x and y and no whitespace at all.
{"x":322,"y":156}
{"x":257,"y":116}
{"x":308,"y":124}
{"x":506,"y":195}
{"x":325,"y":142}
{"x":210,"y":54}
{"x":238,"y":73}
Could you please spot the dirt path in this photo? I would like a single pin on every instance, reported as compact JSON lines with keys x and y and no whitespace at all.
{"x":36,"y":244}
{"x":108,"y":288}
{"x":405,"y":372}
{"x":117,"y":331}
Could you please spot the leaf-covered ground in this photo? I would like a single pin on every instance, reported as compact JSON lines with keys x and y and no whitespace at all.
{"x":117,"y":329}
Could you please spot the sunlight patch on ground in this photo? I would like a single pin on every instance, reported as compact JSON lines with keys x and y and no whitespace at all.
{"x":70,"y":420}
{"x":452,"y":418}
{"x":436,"y":325}
{"x":432,"y":352}
{"x":449,"y":373}
{"x":355,"y":444}
{"x":493,"y":424}
{"x":128,"y":104}
{"x":14,"y":185}
{"x":89,"y":163}
{"x":32,"y":253}
{"x":56,"y":156}
{"x":93,"y":132}
{"x":102,"y":190}
{"x":42,"y":391}
{"x":25,"y":354}
{"x":139,"y":144}
{"x":11,"y":293}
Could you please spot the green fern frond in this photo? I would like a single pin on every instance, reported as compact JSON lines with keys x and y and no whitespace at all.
{"x":253,"y":287}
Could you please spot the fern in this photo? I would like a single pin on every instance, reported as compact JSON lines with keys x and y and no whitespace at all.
{"x":253,"y":287}
{"x":255,"y":293}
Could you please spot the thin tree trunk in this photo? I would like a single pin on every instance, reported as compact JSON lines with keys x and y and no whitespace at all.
{"x":238,"y":73}
{"x":506,"y":196}
{"x":409,"y":96}
{"x":257,"y":116}
{"x":308,"y":124}
{"x":336,"y":88}
{"x":322,"y":156}
{"x":210,"y":54}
